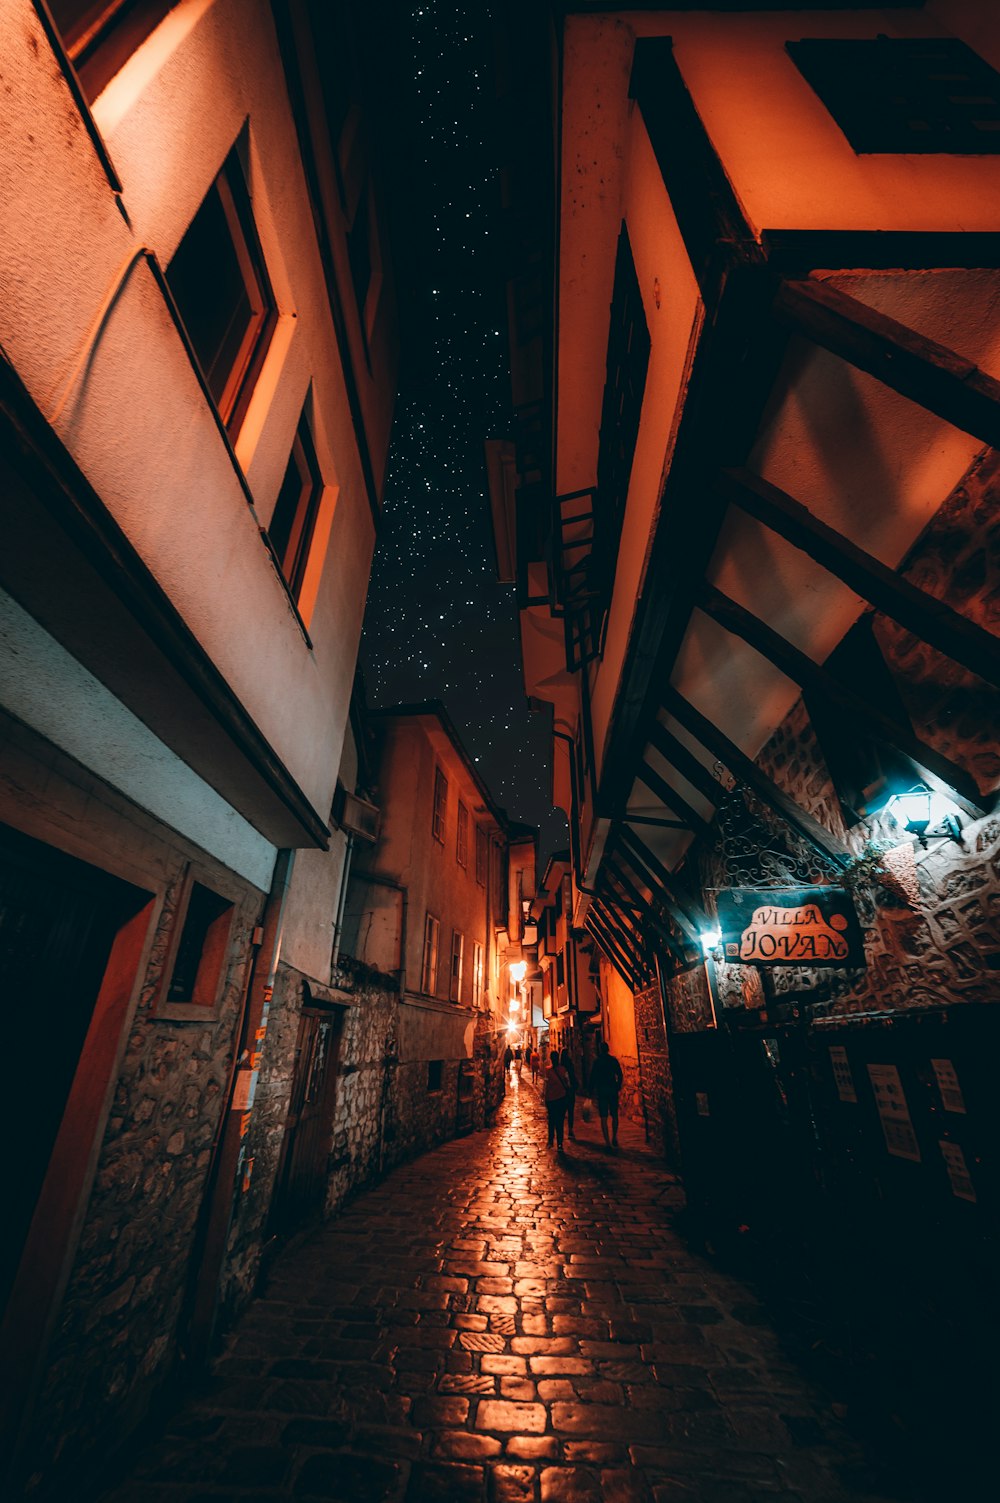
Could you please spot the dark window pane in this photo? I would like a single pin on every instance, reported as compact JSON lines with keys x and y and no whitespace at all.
{"x":893,"y":94}
{"x":220,"y":285}
{"x":204,"y":907}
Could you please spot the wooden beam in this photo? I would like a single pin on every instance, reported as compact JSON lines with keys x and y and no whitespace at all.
{"x":611,"y":950}
{"x":746,"y":771}
{"x":809,"y":675}
{"x":648,"y":905}
{"x":929,"y":373}
{"x":709,"y":215}
{"x":928,"y":618}
{"x":685,"y":913}
{"x":623,"y":938}
{"x":670,"y":796}
{"x":795,"y":253}
{"x":686,"y":763}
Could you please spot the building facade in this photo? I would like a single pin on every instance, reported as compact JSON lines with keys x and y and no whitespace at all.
{"x":749,"y":501}
{"x":435,"y":906}
{"x":198,"y":369}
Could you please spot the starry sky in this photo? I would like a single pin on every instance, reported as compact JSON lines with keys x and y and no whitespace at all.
{"x":438,"y":624}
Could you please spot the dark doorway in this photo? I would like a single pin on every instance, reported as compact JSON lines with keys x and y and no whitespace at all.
{"x":71,"y":940}
{"x":302,"y":1169}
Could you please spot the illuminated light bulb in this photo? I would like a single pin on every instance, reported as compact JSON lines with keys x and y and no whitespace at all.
{"x":709,"y":939}
{"x":519,"y":970}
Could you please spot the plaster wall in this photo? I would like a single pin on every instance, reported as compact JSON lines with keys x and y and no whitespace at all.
{"x":50,"y":691}
{"x":120,"y":387}
{"x":674,"y":314}
{"x":313,"y":901}
{"x":435,"y":881}
{"x":788,"y":161}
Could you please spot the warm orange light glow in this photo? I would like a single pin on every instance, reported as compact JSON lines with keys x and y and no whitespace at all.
{"x":519,"y":970}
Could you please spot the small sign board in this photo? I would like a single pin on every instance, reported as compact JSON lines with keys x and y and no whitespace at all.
{"x":948,"y":1084}
{"x":806,"y":926}
{"x":958,"y":1171}
{"x":890,"y":1101}
{"x":842,"y":1076}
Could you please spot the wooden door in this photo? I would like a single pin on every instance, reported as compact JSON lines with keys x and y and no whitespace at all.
{"x":305,"y":1150}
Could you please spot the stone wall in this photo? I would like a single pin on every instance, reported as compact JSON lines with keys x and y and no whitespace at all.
{"x":117,"y":1330}
{"x":656,"y":1083}
{"x":630,"y":1098}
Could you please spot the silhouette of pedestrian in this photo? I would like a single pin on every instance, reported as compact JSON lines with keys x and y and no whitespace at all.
{"x":605,"y":1082}
{"x":556,"y":1095}
{"x":535,"y":1061}
{"x":570,"y":1074}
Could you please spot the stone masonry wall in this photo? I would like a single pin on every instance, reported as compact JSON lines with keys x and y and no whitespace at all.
{"x":383,"y":1113}
{"x":656,"y":1080}
{"x":117,"y":1326}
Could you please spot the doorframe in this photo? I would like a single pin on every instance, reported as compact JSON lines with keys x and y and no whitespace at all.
{"x":51,"y":1244}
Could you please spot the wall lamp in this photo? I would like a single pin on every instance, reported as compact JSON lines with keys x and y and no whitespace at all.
{"x":709,"y":939}
{"x":923,"y":813}
{"x":519,"y":970}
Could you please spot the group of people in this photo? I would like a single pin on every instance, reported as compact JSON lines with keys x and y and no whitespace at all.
{"x":561,"y":1088}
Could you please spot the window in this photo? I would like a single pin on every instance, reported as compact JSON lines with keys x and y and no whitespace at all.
{"x":220,"y":285}
{"x":477,"y":974}
{"x":434,"y":1067}
{"x":440,"y":804}
{"x":294,"y":518}
{"x":892,"y":94}
{"x":428,"y":971}
{"x":201,"y":944}
{"x":457,"y":957}
{"x":462,"y":841}
{"x":100,"y":35}
{"x":482,"y":855}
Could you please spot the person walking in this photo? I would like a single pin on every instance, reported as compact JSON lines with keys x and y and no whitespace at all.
{"x":606,"y":1079}
{"x":569,"y":1071}
{"x":508,"y":1058}
{"x":556,"y":1092}
{"x":535,"y":1061}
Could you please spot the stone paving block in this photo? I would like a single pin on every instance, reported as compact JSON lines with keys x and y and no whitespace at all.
{"x":503,"y":1415}
{"x":345,"y":1478}
{"x":443,"y":1482}
{"x":570,"y":1485}
{"x":536,"y":1332}
{"x":503,"y":1364}
{"x":466,"y":1383}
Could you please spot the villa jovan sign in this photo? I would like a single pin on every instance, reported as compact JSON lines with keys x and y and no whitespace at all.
{"x":807,"y":926}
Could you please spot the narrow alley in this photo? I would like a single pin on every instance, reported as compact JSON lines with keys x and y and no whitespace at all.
{"x":494,"y":1322}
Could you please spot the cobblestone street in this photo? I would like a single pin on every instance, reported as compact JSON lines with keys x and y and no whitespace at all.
{"x":498,"y":1324}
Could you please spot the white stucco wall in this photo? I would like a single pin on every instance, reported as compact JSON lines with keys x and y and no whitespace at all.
{"x":135,"y":418}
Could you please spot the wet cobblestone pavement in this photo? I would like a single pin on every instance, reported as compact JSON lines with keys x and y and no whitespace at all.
{"x":495,"y":1323}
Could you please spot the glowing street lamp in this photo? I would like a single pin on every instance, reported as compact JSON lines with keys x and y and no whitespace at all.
{"x":919,"y":808}
{"x":519,"y":970}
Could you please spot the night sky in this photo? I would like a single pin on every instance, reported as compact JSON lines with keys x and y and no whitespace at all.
{"x":438,"y":624}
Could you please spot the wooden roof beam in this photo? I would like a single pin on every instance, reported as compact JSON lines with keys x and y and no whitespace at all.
{"x":809,"y":675}
{"x":611,"y":950}
{"x":755,"y":778}
{"x":928,"y":373}
{"x":671,"y":798}
{"x":649,"y":905}
{"x":686,"y":763}
{"x":684,"y":912}
{"x":930,"y":619}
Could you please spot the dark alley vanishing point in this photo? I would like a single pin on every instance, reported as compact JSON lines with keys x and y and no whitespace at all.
{"x":494,"y":1322}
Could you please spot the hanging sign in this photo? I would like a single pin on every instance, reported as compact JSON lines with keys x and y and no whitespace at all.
{"x":809,"y":926}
